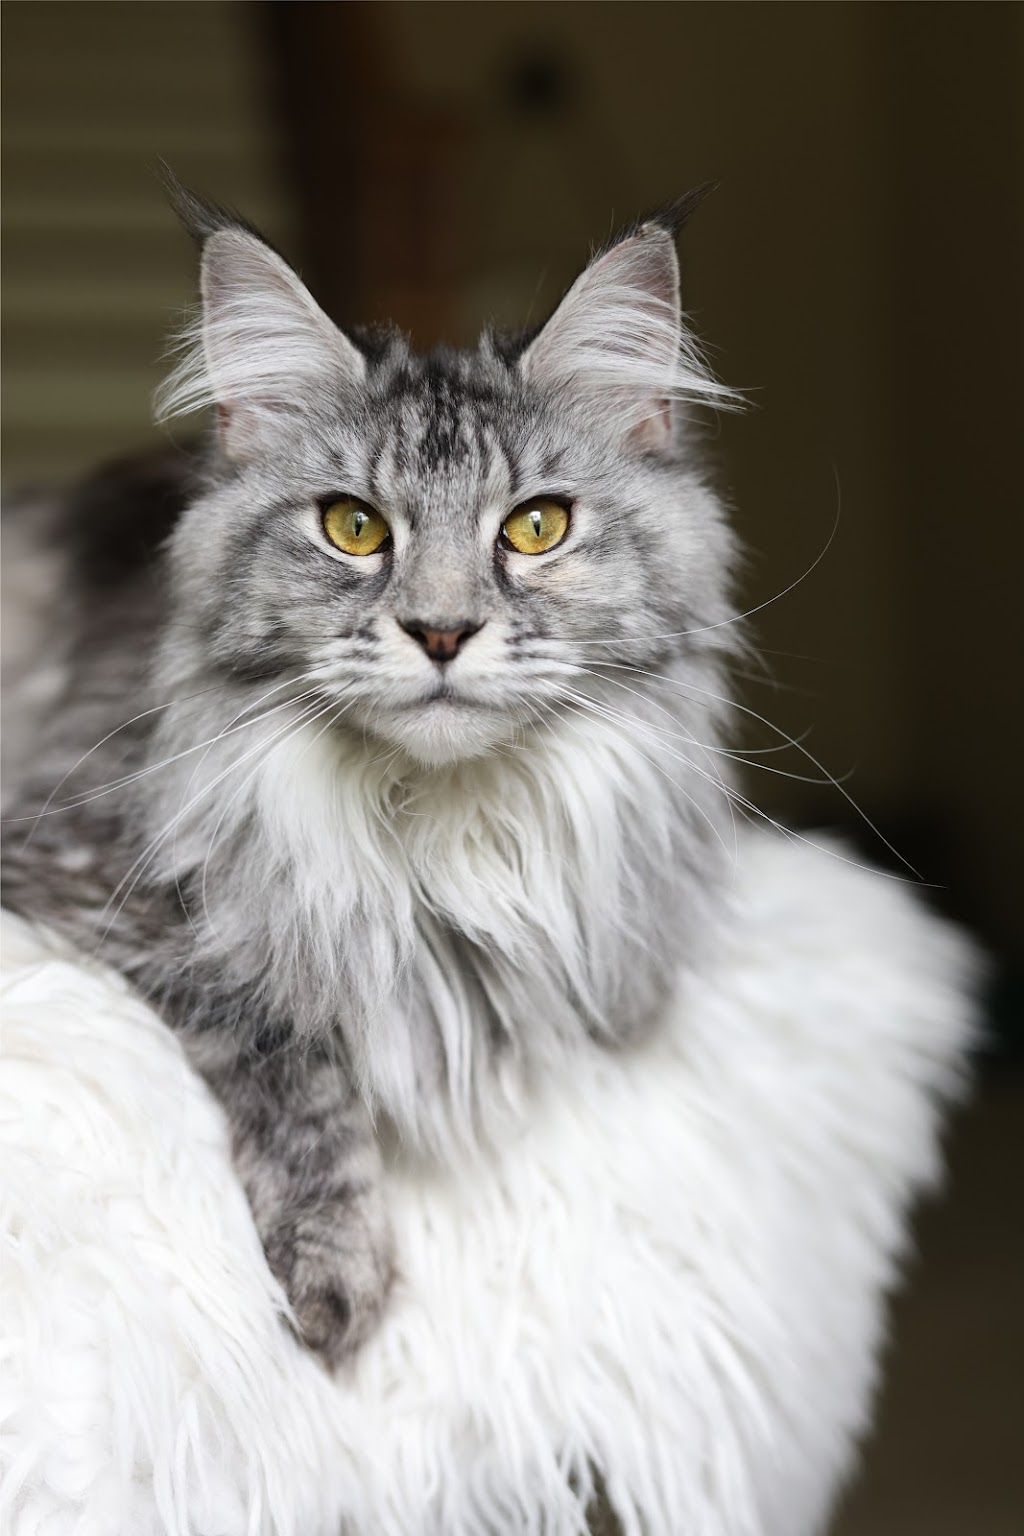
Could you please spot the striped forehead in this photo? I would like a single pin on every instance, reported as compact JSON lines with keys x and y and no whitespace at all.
{"x":452,"y":418}
{"x":447,"y":426}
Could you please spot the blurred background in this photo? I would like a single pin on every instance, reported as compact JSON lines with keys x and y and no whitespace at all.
{"x":858,"y":273}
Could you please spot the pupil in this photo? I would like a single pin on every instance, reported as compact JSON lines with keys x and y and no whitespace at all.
{"x":536,"y":519}
{"x":359,"y":522}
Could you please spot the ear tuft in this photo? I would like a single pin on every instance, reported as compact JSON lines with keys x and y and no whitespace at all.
{"x":674,"y":216}
{"x":618,"y":340}
{"x":199,"y":216}
{"x":260,"y":345}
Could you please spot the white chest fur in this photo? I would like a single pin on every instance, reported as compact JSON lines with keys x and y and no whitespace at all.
{"x":464,"y":927}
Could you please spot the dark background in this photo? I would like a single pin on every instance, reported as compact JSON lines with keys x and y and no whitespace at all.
{"x":858,"y":273}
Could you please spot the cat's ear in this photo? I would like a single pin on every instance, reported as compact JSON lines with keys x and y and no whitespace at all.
{"x":261,"y":344}
{"x":618,"y":340}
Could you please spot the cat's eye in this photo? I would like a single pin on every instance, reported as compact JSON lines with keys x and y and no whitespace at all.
{"x":354,"y":527}
{"x":536,"y":526}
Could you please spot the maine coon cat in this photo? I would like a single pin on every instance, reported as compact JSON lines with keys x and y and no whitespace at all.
{"x":392,"y":779}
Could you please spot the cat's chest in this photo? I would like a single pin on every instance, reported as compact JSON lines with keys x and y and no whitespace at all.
{"x":499,"y":889}
{"x":487,"y":851}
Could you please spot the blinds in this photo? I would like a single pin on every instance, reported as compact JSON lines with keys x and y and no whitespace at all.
{"x":96,"y":271}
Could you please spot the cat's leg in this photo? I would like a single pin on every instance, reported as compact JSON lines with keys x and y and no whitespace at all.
{"x":307,"y":1157}
{"x":302,"y":1139}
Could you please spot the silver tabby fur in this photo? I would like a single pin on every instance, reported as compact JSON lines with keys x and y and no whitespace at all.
{"x":373,"y":890}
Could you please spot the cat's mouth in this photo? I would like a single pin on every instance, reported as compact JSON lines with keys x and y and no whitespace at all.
{"x":443,"y":726}
{"x":444,"y":698}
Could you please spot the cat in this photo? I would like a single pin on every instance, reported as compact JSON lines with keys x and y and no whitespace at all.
{"x":387,"y":761}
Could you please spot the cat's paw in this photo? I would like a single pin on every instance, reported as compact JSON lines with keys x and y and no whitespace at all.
{"x":336,"y":1262}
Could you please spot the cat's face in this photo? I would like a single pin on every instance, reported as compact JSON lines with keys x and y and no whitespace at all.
{"x":447,"y":547}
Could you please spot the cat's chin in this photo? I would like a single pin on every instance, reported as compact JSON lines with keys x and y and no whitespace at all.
{"x":441,"y":733}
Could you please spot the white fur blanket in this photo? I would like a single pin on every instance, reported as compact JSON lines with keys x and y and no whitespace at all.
{"x":675,"y":1279}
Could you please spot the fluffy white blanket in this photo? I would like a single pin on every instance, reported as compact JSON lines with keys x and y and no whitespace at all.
{"x":674,"y":1282}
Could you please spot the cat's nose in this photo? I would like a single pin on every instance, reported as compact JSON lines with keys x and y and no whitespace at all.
{"x":440,"y":643}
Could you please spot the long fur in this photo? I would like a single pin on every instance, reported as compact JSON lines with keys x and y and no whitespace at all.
{"x":619,"y":335}
{"x":381,"y":897}
{"x":462,"y":898}
{"x":690,"y":1317}
{"x":377,"y":895}
{"x":588,"y":1121}
{"x":260,"y":337}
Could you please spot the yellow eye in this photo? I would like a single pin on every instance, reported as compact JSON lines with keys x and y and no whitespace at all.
{"x":536,"y":526}
{"x":354,"y":527}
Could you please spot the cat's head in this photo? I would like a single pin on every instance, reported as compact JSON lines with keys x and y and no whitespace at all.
{"x":447,"y":545}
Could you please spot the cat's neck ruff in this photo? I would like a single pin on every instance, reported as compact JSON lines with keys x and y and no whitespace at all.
{"x":465,"y":927}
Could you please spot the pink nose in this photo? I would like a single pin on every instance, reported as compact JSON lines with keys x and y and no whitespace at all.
{"x":439,"y":644}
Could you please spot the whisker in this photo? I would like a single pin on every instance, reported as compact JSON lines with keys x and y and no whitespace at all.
{"x":125,"y":724}
{"x":633,"y":723}
{"x":109,"y":788}
{"x":591,"y":705}
{"x":305,"y":719}
{"x":704,"y":629}
{"x":830,"y":778}
{"x":140,"y":864}
{"x":788,"y":741}
{"x":754,"y":812}
{"x":727,"y":752}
